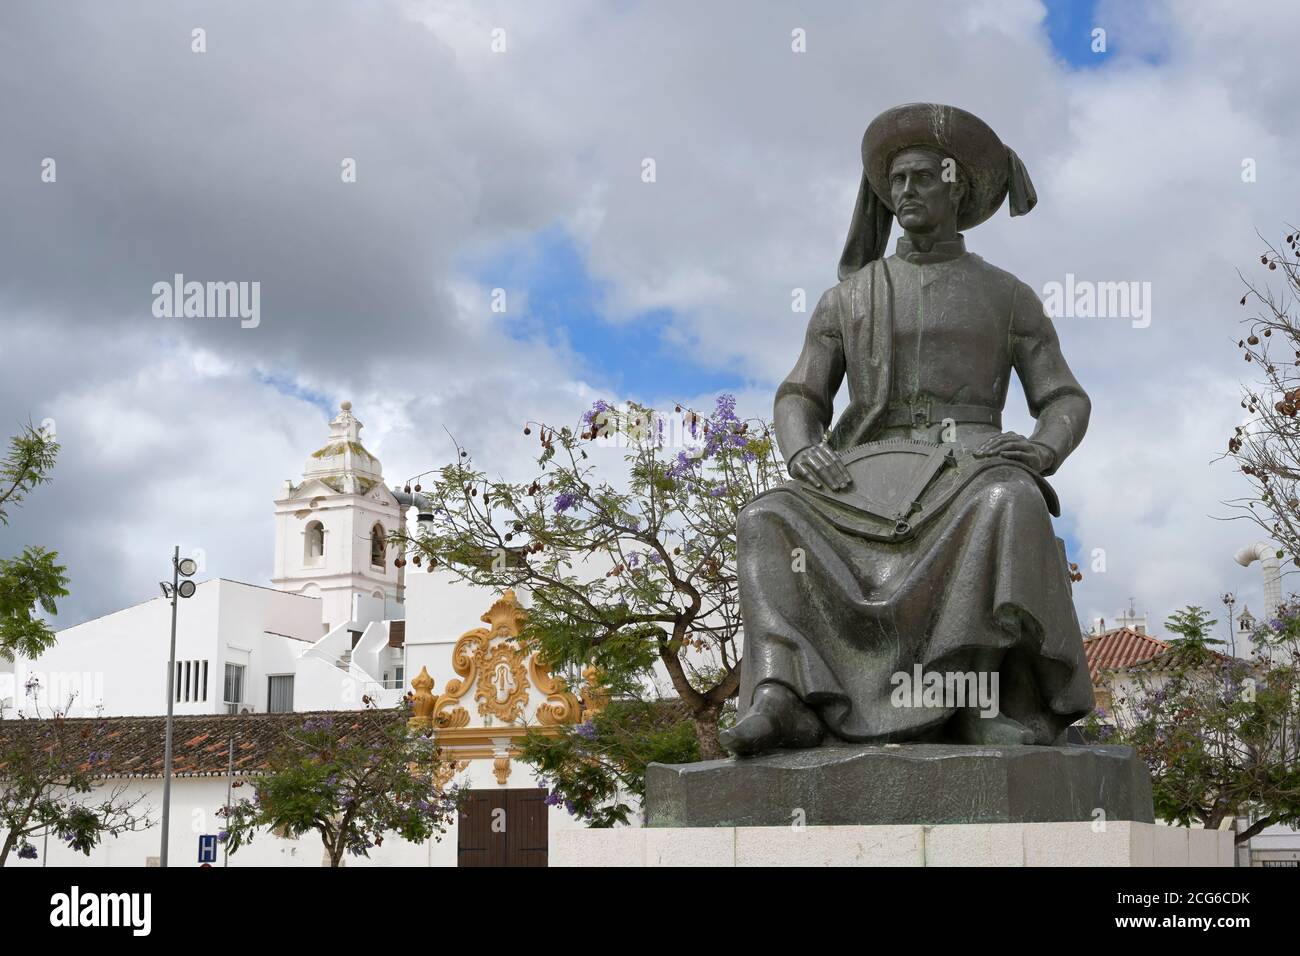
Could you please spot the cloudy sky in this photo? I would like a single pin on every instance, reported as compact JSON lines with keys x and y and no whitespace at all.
{"x":481,"y":168}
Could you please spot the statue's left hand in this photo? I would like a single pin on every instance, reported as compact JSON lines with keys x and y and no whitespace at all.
{"x":1018,"y":448}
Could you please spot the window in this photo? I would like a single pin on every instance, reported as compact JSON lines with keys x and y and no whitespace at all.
{"x":313,"y":547}
{"x":190,"y":682}
{"x":279,"y":693}
{"x":377,"y":545}
{"x":234,"y":691}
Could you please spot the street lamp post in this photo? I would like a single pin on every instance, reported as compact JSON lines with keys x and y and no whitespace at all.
{"x":1229,"y":600}
{"x":177,"y":589}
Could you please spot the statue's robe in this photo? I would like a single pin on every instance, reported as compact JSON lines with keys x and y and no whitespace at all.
{"x":984,"y":585}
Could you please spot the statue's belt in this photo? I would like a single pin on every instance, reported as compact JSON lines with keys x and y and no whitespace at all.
{"x":899,"y":485}
{"x":925,"y":414}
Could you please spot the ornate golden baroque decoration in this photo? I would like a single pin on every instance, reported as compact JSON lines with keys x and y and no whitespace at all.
{"x":492,"y":662}
{"x":560,"y":706}
{"x":423,"y":701}
{"x":446,"y":770}
{"x":595,"y":697}
{"x":501,"y":767}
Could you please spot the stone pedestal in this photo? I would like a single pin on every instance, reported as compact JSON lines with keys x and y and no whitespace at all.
{"x":1119,"y":844}
{"x":905,"y":785}
{"x":909,"y":805}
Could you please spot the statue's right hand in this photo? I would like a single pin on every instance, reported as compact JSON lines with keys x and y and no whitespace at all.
{"x":821,"y":467}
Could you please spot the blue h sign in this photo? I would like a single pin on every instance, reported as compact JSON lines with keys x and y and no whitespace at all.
{"x":208,"y":848}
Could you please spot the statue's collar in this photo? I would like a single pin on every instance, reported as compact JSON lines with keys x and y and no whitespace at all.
{"x":944,"y":251}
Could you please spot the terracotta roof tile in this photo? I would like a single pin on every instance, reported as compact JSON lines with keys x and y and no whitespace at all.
{"x":200,"y":744}
{"x":1122,"y":647}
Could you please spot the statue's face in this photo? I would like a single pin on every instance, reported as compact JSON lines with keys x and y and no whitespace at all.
{"x":922,"y":199}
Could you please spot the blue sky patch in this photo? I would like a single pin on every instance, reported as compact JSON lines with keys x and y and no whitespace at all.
{"x":286,"y":385}
{"x":634,"y":358}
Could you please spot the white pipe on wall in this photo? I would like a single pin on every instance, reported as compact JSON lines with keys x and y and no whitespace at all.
{"x":1265,"y":552}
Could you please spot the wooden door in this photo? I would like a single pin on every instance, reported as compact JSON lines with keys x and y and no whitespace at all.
{"x":526,"y":837}
{"x":502,"y":828}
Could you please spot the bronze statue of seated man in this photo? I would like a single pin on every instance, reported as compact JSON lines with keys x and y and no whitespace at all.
{"x":914,"y":543}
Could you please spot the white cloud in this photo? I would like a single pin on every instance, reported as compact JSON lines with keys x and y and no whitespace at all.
{"x":227,"y":167}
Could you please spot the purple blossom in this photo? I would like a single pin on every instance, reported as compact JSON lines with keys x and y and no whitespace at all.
{"x":601,"y":406}
{"x":587,"y":731}
{"x":564,"y":501}
{"x":682,"y":465}
{"x":27,"y":852}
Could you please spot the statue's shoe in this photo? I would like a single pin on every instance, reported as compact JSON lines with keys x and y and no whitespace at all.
{"x":752,"y":734}
{"x":968,"y":727}
{"x":776,"y":722}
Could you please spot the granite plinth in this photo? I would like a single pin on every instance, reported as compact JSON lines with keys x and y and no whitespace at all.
{"x":910,"y":784}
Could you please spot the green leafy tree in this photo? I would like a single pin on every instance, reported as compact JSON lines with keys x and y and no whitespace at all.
{"x":595,"y":767}
{"x":626,"y":569}
{"x":352,"y":781}
{"x":47,"y":767}
{"x":1193,"y":626}
{"x":1218,"y":734}
{"x":34,"y":579}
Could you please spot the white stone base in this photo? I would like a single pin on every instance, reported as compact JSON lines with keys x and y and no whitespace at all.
{"x":975,"y":844}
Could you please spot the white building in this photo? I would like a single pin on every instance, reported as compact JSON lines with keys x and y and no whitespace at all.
{"x":341,"y":628}
{"x":239,"y":647}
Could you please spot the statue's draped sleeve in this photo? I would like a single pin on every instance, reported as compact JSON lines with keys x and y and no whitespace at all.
{"x":805,"y":401}
{"x":1056,"y":400}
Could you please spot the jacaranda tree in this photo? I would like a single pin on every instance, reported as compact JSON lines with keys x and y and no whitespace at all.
{"x":630,"y":565}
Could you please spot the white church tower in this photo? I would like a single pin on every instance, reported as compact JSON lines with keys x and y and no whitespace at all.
{"x":331,"y":530}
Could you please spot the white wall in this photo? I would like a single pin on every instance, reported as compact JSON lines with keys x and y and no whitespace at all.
{"x":195,"y":801}
{"x":117,"y":664}
{"x":119,"y":661}
{"x":265,"y":630}
{"x":440,"y":607}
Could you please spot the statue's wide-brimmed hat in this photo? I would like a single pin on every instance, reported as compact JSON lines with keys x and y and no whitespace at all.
{"x":990,"y":169}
